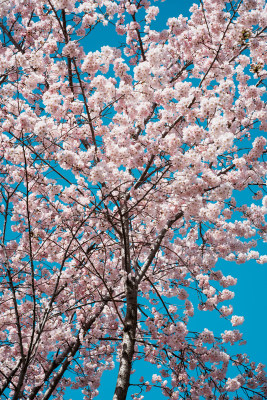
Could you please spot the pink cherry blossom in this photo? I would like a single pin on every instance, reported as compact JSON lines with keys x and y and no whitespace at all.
{"x":131,"y":172}
{"x":235,"y":320}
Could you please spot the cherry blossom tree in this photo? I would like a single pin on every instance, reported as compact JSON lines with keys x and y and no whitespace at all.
{"x":121,"y":173}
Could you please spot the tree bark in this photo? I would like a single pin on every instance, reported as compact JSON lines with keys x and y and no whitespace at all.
{"x":128,"y":342}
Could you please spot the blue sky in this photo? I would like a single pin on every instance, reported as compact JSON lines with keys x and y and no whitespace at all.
{"x":250,"y":298}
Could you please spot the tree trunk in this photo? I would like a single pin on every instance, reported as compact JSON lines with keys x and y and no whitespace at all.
{"x":128,"y":342}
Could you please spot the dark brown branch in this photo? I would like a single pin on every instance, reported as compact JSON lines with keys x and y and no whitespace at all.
{"x":16,"y":44}
{"x":156,"y":246}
